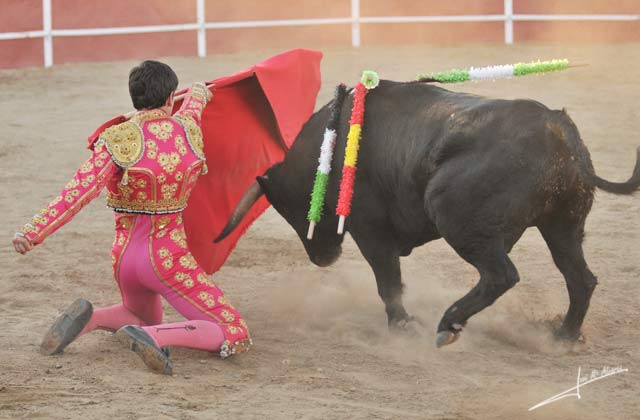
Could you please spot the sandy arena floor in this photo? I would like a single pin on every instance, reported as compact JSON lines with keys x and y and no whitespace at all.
{"x":322,"y":349}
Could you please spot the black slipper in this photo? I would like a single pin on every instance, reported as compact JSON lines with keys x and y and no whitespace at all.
{"x":66,"y":328}
{"x":143,"y":345}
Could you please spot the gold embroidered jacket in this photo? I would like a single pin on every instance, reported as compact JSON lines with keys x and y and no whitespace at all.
{"x":149,"y":165}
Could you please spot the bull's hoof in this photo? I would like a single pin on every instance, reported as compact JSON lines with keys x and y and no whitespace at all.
{"x":410,"y":324}
{"x":562,"y":334}
{"x":446,"y":337}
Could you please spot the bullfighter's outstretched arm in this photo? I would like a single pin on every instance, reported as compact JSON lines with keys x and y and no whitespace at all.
{"x":86,"y":185}
{"x":194,"y":102}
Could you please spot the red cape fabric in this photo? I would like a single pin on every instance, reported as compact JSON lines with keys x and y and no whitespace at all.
{"x":252,"y":120}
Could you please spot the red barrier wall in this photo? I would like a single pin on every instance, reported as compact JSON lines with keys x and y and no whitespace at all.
{"x":577,"y":31}
{"x":20,"y":16}
{"x":26,"y":15}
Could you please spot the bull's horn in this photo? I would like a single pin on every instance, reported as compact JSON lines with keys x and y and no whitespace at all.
{"x":248,"y":199}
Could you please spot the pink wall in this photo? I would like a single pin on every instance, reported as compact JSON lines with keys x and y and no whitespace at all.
{"x":26,"y":15}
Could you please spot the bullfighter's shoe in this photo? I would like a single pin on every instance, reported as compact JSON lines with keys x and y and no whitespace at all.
{"x":142,"y":344}
{"x":67,"y":327}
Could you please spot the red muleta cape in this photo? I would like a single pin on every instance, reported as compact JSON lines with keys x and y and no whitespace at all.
{"x":252,"y":120}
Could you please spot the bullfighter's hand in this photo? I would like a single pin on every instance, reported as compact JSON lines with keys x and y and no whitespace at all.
{"x":22,"y":244}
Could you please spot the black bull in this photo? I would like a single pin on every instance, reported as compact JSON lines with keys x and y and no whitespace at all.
{"x":439,"y":164}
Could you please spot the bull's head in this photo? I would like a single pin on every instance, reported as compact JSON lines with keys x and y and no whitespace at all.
{"x":289,"y":195}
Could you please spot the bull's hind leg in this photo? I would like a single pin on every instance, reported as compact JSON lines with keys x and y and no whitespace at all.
{"x":497,"y":275}
{"x":565,"y":243}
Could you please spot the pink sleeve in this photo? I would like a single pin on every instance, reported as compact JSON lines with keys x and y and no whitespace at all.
{"x":194,"y":102}
{"x":86,"y":185}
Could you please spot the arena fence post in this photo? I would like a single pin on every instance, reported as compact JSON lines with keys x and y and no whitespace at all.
{"x":355,"y":23}
{"x":202,"y":38}
{"x":48,"y":39}
{"x":508,"y":22}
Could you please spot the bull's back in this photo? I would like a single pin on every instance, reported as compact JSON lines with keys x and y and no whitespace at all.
{"x":432,"y":150}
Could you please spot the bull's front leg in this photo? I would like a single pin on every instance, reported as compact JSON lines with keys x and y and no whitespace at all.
{"x":384,"y":258}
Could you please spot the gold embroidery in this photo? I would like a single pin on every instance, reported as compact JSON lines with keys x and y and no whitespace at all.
{"x":161,"y":130}
{"x":169,"y":161}
{"x":167,"y":263}
{"x":124,"y":143}
{"x":39,"y":220}
{"x":161,"y":233}
{"x":29,"y":228}
{"x":125,"y":222}
{"x":163,"y":252}
{"x":169,"y":190}
{"x":184,"y":278}
{"x":53,"y":212}
{"x":152,"y":152}
{"x":163,"y":221}
{"x":202,"y":278}
{"x":179,"y":237}
{"x":162,"y":178}
{"x":125,"y":191}
{"x":200,"y":92}
{"x":187,"y":261}
{"x":194,"y":135}
{"x":72,"y":184}
{"x":171,"y":205}
{"x":179,"y":141}
{"x":228,"y":316}
{"x":86,"y":167}
{"x":208,"y":299}
{"x":144,"y":116}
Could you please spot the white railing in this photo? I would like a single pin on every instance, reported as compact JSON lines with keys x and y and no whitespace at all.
{"x":355,"y":20}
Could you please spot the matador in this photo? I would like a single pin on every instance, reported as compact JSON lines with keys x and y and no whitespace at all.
{"x":149,"y":165}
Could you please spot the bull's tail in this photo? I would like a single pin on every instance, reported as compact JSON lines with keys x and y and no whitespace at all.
{"x":572,"y":139}
{"x":628,"y":187}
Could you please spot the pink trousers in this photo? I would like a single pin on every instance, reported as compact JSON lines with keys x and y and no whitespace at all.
{"x":142,"y":284}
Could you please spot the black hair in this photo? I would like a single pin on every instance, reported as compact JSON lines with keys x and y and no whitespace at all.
{"x":151,"y":84}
